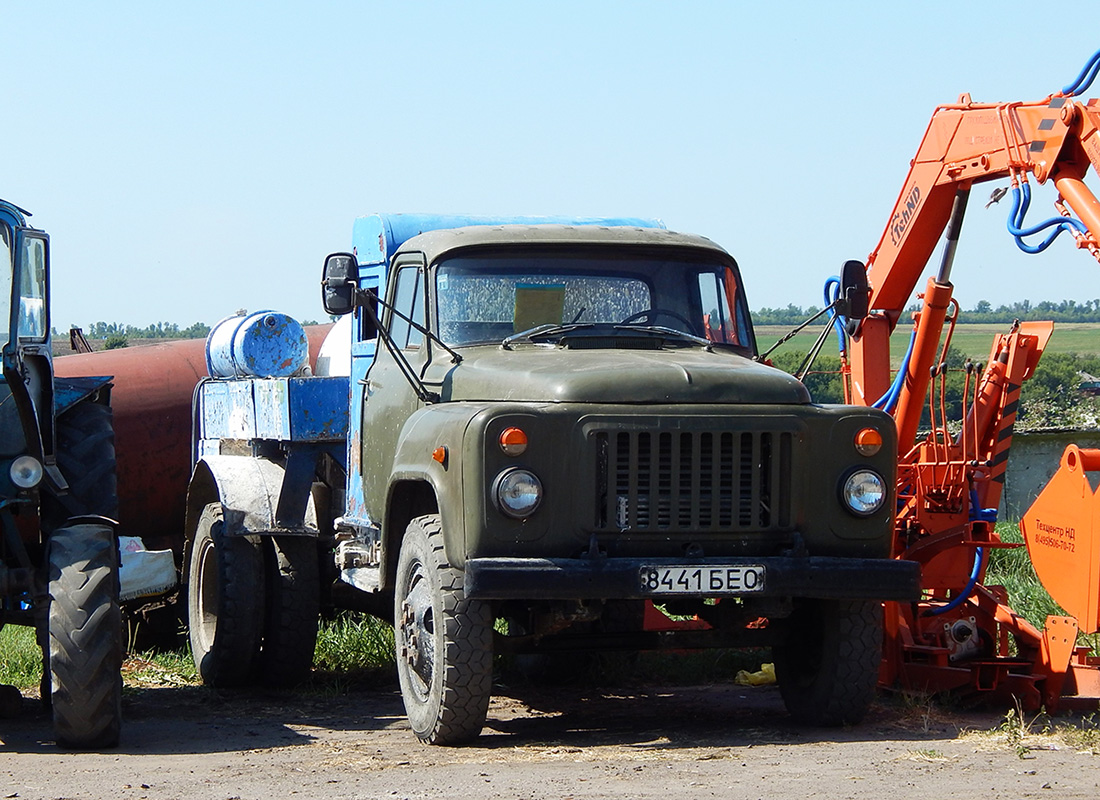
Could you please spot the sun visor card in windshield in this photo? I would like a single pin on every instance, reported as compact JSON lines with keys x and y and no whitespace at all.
{"x":538,"y":304}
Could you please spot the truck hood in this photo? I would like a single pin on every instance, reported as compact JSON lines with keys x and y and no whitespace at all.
{"x":560,"y":375}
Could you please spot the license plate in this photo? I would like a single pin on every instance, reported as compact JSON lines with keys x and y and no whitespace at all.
{"x":704,"y":580}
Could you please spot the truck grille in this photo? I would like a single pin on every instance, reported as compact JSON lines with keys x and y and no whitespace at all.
{"x":692,"y":480}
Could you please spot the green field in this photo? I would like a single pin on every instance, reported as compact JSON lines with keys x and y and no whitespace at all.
{"x":975,"y":341}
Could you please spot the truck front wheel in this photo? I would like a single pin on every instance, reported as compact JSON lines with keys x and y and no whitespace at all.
{"x":444,"y":641}
{"x":827,"y":667}
{"x":225,"y":596}
{"x":84,"y":651}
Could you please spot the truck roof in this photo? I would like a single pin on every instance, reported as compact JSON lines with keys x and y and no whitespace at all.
{"x":435,"y":243}
{"x":378,"y":236}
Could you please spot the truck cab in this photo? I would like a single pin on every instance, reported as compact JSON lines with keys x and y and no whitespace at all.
{"x":554,"y":425}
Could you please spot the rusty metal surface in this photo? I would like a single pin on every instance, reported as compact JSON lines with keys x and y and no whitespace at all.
{"x":153,"y":386}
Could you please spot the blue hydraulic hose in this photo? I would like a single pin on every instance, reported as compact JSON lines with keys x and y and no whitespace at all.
{"x":976,"y":513}
{"x":957,"y":601}
{"x":1021,"y":201}
{"x":1085,"y":78}
{"x":889,"y":400}
{"x":832,"y":293}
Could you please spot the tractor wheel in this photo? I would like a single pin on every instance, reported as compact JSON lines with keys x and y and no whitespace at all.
{"x":293,"y":609}
{"x":444,"y":641}
{"x":827,"y":668}
{"x":84,"y":654}
{"x":86,"y":457}
{"x":225,"y":601}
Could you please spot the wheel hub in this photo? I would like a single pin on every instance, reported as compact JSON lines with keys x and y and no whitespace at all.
{"x":418,"y":631}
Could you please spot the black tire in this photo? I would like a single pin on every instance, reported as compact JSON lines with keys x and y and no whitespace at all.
{"x":293,"y":609}
{"x":85,"y":636}
{"x":225,"y":602}
{"x":827,"y":668}
{"x":86,"y":457}
{"x":444,"y":641}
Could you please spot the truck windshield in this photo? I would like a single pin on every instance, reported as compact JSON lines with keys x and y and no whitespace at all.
{"x":5,"y":281}
{"x":488,"y":297}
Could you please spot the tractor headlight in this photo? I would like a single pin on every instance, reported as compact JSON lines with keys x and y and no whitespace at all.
{"x":26,"y":472}
{"x":517,"y":493}
{"x":864,"y":492}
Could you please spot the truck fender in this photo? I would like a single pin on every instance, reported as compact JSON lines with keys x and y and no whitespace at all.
{"x":413,"y":466}
{"x":253,"y":493}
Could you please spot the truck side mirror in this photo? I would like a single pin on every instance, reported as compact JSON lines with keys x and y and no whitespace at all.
{"x":856,"y":292}
{"x":340,"y":283}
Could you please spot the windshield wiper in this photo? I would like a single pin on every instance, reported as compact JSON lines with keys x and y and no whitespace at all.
{"x":661,"y":330}
{"x":550,"y":330}
{"x":544,"y":331}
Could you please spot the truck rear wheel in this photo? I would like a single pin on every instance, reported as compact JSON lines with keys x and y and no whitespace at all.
{"x":827,"y":668}
{"x":293,"y":608}
{"x":444,"y":641}
{"x":225,"y":601}
{"x":84,"y":657}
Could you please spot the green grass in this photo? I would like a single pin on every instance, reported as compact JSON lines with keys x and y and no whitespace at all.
{"x":1012,"y":569}
{"x":975,"y":340}
{"x":20,"y":657}
{"x":354,"y":643}
{"x":347,"y":646}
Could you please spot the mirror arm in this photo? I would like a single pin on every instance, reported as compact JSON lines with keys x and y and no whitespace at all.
{"x":456,"y":358}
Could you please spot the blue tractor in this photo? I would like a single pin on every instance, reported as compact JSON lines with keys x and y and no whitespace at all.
{"x":59,"y":560}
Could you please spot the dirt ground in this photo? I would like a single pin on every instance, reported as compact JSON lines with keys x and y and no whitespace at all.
{"x":717,"y":741}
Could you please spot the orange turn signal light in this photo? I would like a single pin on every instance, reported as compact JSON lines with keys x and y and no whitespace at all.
{"x":440,"y":455}
{"x":868,"y":442}
{"x":513,"y":441}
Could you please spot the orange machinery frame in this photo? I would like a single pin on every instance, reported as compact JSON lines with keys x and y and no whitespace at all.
{"x":963,"y":635}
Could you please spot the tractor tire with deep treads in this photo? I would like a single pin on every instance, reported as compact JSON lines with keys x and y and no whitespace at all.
{"x":225,"y":601}
{"x":293,"y":609}
{"x":827,"y":667}
{"x":86,"y":457}
{"x":84,"y":659}
{"x":444,"y":641}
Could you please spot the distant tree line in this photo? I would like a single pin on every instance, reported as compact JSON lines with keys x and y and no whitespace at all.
{"x":983,"y":311}
{"x":158,"y":330}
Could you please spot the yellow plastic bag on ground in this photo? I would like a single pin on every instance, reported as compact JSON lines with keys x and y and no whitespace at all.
{"x":764,"y":677}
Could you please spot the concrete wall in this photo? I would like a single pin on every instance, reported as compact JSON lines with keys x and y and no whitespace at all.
{"x":1034,"y":459}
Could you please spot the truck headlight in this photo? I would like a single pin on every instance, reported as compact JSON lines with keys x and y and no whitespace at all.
{"x":26,"y":472}
{"x":864,"y":492}
{"x":517,"y":493}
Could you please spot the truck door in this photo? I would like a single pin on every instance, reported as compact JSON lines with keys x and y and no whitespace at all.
{"x":388,"y":398}
{"x":28,"y":367}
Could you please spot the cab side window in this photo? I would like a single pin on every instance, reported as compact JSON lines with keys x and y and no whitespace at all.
{"x":32,"y":290}
{"x":408,"y":299}
{"x":367,"y":313}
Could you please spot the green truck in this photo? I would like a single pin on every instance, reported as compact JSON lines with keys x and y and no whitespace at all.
{"x":540,"y":431}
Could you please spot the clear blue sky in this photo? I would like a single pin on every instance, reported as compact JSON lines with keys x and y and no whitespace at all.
{"x":190,"y":159}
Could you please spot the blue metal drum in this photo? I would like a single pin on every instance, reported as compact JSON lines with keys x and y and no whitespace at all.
{"x":264,"y":344}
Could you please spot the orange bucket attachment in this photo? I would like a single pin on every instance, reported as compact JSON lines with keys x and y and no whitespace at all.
{"x":1061,"y":530}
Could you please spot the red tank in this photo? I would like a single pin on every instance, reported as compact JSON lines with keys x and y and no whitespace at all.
{"x":151,"y":397}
